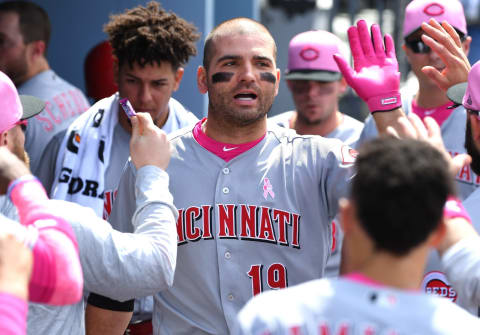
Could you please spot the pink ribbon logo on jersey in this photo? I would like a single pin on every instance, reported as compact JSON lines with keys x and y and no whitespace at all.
{"x":267,"y":188}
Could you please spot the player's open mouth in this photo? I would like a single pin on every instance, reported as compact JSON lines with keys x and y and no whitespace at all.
{"x":245,"y":96}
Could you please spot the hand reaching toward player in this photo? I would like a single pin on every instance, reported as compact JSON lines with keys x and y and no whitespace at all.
{"x":375,"y":77}
{"x":444,"y":40}
{"x":11,"y":168}
{"x":430,"y":131}
{"x":148,"y":144}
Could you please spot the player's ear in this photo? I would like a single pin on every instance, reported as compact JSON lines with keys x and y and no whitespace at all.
{"x":437,"y":236}
{"x":4,"y":138}
{"x":346,"y":214}
{"x":178,"y":78}
{"x":277,"y":84}
{"x":202,"y":80}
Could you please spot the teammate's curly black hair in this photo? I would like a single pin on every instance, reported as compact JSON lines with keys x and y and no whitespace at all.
{"x":400,"y":189}
{"x":151,"y":35}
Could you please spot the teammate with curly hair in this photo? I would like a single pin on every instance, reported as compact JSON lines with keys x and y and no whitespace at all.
{"x":150,"y":47}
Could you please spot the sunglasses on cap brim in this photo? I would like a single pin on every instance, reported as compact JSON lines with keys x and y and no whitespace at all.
{"x":419,"y":47}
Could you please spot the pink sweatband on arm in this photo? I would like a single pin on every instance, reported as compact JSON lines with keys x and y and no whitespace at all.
{"x":454,"y":209}
{"x":385,"y":102}
{"x":13,"y":315}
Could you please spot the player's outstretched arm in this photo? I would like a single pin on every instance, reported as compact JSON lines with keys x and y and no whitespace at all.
{"x":444,"y":40}
{"x":375,"y":76}
{"x":57,"y":275}
{"x":460,"y":252}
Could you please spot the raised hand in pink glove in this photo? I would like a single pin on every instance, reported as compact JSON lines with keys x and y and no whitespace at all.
{"x":376,"y":78}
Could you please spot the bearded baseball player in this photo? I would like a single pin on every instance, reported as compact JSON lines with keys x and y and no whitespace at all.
{"x":392,"y":220}
{"x":25,"y":29}
{"x":447,"y":44}
{"x":255,"y":208}
{"x":429,"y":99}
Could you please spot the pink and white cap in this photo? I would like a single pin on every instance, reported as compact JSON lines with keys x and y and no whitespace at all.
{"x":13,"y":107}
{"x":310,"y":56}
{"x":467,"y":94}
{"x":419,"y":11}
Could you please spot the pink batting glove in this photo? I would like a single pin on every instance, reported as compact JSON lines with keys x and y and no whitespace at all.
{"x":376,"y":78}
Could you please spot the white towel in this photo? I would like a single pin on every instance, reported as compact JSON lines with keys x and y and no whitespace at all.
{"x":84,"y":155}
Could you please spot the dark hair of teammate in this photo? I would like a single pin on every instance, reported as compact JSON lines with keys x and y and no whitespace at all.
{"x":151,"y":35}
{"x":399,"y":190}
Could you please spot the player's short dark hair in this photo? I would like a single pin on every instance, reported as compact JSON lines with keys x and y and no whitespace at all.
{"x":400,"y":189}
{"x":151,"y":35}
{"x":33,"y":20}
{"x":208,"y":49}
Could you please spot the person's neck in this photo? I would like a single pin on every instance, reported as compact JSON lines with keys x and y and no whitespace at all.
{"x":322,"y":128}
{"x":40,"y":65}
{"x":127,"y":126}
{"x":224,"y":132}
{"x":430,"y":97}
{"x":402,"y":272}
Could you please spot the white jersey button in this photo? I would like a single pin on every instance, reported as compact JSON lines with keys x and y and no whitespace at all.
{"x":228,"y":255}
{"x":226,"y":170}
{"x":230,"y":297}
{"x":225,"y":190}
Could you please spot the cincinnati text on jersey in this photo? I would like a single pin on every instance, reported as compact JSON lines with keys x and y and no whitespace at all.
{"x":246,"y":222}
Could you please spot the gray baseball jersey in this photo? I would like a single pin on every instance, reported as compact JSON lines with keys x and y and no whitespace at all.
{"x":117,"y":265}
{"x":344,"y":306}
{"x":348,"y":132}
{"x":258,"y":222}
{"x":453,"y":135}
{"x":63,"y":103}
{"x":461,"y":264}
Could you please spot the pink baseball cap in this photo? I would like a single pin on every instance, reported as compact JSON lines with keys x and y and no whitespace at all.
{"x":419,"y":11}
{"x":310,"y":56}
{"x":13,"y":107}
{"x":467,"y":94}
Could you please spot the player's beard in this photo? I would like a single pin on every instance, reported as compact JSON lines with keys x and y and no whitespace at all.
{"x":20,"y":152}
{"x":17,"y":70}
{"x":220,"y":105}
{"x":472,"y":150}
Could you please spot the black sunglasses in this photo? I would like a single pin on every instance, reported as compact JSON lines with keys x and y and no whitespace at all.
{"x":419,"y":47}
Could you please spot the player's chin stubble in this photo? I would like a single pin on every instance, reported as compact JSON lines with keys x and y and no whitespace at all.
{"x":472,"y":150}
{"x":220,"y":105}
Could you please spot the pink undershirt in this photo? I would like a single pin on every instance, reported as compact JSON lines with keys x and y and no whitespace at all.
{"x":440,"y":114}
{"x":13,"y":315}
{"x":225,"y":151}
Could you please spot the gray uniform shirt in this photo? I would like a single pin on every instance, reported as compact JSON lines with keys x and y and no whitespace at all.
{"x":348,"y":132}
{"x":343,"y":306}
{"x":119,"y":266}
{"x":260,"y":221}
{"x":64,"y":102}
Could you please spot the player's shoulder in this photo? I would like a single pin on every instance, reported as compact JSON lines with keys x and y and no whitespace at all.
{"x":181,"y":135}
{"x":451,"y":318}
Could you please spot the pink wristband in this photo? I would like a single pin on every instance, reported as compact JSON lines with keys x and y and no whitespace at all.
{"x":385,"y":102}
{"x":13,"y":315}
{"x":454,"y":209}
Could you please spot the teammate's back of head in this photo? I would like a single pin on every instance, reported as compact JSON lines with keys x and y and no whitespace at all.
{"x":399,"y":190}
{"x":33,"y":20}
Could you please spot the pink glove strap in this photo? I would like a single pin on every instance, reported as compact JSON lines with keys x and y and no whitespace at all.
{"x":385,"y":102}
{"x":454,"y":209}
{"x":43,"y":279}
